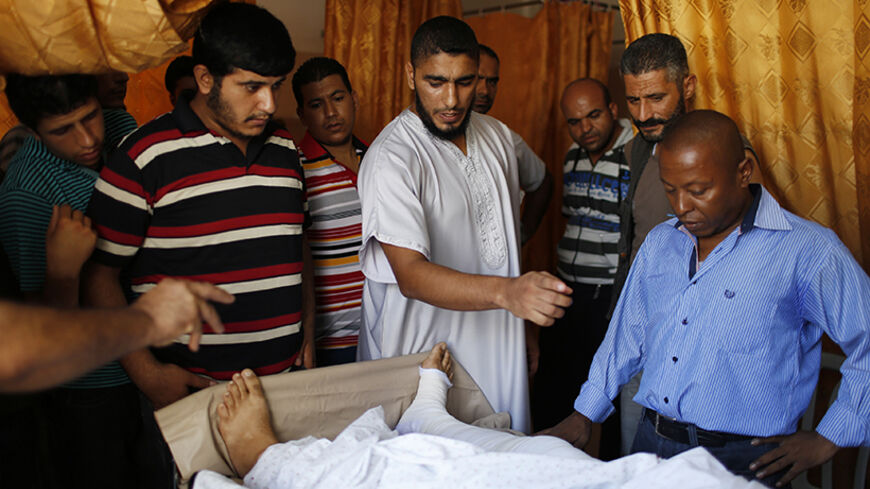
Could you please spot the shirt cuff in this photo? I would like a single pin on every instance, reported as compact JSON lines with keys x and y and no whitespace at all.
{"x":843,"y":426}
{"x":593,"y":403}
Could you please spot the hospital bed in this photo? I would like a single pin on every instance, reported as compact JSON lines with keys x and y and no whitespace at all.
{"x":319,"y":402}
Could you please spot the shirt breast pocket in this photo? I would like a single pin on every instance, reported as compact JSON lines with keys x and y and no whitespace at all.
{"x":742,"y":320}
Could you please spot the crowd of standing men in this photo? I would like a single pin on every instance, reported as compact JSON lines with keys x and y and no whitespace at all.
{"x":674,"y":263}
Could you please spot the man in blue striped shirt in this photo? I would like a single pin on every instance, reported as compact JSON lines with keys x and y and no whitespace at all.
{"x":724,"y":310}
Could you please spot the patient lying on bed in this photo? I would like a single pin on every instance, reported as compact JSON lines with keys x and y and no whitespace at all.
{"x":430,"y":448}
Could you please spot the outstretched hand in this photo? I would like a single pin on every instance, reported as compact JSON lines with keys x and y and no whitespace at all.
{"x":177,"y":307}
{"x":802,"y":450}
{"x":537,"y":296}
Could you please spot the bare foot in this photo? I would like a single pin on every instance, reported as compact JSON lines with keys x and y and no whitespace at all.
{"x":244,"y":421}
{"x":440,"y":359}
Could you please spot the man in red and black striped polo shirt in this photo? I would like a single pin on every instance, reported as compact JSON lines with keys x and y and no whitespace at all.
{"x":213,"y":191}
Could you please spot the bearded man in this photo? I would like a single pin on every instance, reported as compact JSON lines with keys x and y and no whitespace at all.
{"x":213,"y":191}
{"x":440,"y":191}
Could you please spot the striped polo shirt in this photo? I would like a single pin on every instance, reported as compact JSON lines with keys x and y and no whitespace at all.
{"x":36,"y":181}
{"x":591,"y":195}
{"x":335,"y":238}
{"x":178,"y":200}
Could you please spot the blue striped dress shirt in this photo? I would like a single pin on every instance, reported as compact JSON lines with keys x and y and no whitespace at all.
{"x":736,"y":346}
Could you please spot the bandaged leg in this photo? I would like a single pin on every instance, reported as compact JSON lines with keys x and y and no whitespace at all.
{"x":427,"y":414}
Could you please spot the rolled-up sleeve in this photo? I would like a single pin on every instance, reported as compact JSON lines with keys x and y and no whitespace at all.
{"x":392,"y":212}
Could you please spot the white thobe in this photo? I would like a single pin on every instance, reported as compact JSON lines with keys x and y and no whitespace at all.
{"x":460,"y":211}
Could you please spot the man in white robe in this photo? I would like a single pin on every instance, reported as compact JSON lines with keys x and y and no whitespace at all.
{"x":440,"y":191}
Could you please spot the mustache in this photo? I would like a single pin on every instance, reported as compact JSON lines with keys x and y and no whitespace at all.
{"x":649,"y":122}
{"x":258,"y":116}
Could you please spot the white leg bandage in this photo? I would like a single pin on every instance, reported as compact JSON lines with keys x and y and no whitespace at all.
{"x":427,"y":414}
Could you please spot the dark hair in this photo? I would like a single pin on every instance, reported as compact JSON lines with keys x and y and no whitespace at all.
{"x":314,"y":70}
{"x":32,"y":98}
{"x":655,"y":52}
{"x":443,"y":34}
{"x":244,"y":36}
{"x":484,"y":49}
{"x":179,"y":68}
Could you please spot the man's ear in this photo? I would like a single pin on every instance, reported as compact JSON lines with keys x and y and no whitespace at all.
{"x":409,"y":72}
{"x":614,"y":110}
{"x":355,"y":98}
{"x":744,"y":171}
{"x":204,"y":79}
{"x":689,"y":84}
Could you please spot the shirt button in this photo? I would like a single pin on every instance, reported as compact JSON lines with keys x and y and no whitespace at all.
{"x":685,"y":321}
{"x":674,"y":359}
{"x":666,"y":400}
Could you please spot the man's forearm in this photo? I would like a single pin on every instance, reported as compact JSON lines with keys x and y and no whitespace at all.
{"x":102,"y":288}
{"x":42,"y":346}
{"x":536,"y":296}
{"x":450,"y":289}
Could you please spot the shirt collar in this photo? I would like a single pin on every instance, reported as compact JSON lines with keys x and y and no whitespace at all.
{"x":34,"y":146}
{"x":314,"y":150}
{"x":185,"y":118}
{"x":311,"y":148}
{"x":749,"y":218}
{"x":627,"y":133}
{"x":764,"y":212}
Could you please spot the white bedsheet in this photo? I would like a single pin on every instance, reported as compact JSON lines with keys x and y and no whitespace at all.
{"x":369,"y":455}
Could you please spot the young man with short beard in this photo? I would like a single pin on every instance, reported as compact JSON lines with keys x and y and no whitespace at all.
{"x":440,"y":190}
{"x":213,"y":191}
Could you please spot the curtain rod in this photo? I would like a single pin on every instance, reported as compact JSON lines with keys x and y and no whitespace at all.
{"x":497,"y":8}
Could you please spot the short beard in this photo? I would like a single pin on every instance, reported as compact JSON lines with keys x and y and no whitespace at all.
{"x":448,"y":135}
{"x":679,"y":110}
{"x":223,"y":114}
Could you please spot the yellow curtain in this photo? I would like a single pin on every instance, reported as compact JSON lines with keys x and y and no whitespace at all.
{"x":75,"y":36}
{"x":564,"y":41}
{"x":795,"y":75}
{"x":372,"y":39}
{"x":72,"y":36}
{"x":146,"y":93}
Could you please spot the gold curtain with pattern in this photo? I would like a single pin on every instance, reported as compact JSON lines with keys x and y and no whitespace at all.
{"x":563,"y":42}
{"x":372,"y":39}
{"x":795,"y":75}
